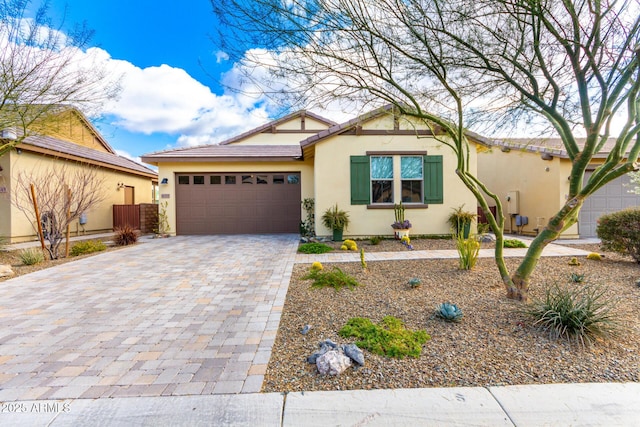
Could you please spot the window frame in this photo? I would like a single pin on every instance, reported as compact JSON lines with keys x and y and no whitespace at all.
{"x":381,"y":180}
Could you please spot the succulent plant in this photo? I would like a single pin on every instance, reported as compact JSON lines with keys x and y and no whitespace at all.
{"x":574,"y":262}
{"x":415,"y":282}
{"x":316,"y":266}
{"x":577,"y":278}
{"x":449,"y":312}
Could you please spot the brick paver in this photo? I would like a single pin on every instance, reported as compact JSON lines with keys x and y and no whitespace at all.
{"x":178,"y":316}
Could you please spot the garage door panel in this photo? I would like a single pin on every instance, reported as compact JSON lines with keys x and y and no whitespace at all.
{"x":612,"y":197}
{"x":265,"y":203}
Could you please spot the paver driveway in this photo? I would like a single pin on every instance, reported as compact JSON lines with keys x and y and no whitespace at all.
{"x":178,"y":316}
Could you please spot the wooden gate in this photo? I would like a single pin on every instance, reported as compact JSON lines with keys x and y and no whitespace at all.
{"x":126,"y":215}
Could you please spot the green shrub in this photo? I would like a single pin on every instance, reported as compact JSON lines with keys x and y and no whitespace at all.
{"x":468,"y":250}
{"x":390,"y":339}
{"x":375,"y":240}
{"x":514,"y":243}
{"x":314,"y":248}
{"x":335,"y":278}
{"x":620,"y":232}
{"x":580,"y":314}
{"x":31,"y":256}
{"x":87,"y":247}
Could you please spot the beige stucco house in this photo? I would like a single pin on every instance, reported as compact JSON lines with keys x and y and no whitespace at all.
{"x":255,"y":182}
{"x":70,"y":139}
{"x":532,"y":178}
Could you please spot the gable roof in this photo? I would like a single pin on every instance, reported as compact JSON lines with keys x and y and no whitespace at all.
{"x":219,"y":153}
{"x":58,"y":148}
{"x":226,"y":151}
{"x":270,"y":126}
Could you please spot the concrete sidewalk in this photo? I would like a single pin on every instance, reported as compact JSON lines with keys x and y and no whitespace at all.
{"x":598,"y":404}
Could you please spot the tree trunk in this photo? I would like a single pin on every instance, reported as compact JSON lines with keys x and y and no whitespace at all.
{"x":564,"y":219}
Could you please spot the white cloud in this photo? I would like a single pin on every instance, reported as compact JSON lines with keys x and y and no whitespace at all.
{"x":165,"y":99}
{"x":221,"y":56}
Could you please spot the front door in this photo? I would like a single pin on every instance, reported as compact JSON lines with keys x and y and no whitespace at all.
{"x":129,"y":195}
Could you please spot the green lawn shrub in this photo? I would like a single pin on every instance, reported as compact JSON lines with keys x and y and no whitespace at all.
{"x":389,"y":339}
{"x":334,"y":278}
{"x":87,"y":247}
{"x":314,"y":248}
{"x":620,"y":232}
{"x":514,"y":243}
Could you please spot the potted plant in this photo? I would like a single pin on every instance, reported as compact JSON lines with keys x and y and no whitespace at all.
{"x":460,"y":221}
{"x":336,"y":220}
{"x":400,"y":226}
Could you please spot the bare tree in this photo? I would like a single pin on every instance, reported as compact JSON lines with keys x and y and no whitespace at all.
{"x":42,"y":68}
{"x":64,"y":192}
{"x":570,"y":64}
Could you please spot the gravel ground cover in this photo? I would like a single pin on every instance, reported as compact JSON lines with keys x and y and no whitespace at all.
{"x":493,"y":345}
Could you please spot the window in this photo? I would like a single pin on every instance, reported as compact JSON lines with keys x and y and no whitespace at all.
{"x":381,"y":179}
{"x":293,"y":179}
{"x":411,"y":176}
{"x":278,"y":179}
{"x":229,"y":179}
{"x":262,"y":179}
{"x":198,"y":180}
{"x":215,"y":179}
{"x":247,"y":179}
{"x":373,"y":181}
{"x":183,"y":179}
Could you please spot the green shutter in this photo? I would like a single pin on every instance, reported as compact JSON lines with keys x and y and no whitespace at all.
{"x":360,"y":180}
{"x":433,"y":180}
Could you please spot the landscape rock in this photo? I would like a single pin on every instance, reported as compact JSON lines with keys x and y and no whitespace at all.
{"x":6,"y":271}
{"x":305,"y":330}
{"x":354,"y":353}
{"x":333,"y":362}
{"x":324,"y":346}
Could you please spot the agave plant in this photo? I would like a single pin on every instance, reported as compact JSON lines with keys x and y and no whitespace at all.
{"x":449,"y":312}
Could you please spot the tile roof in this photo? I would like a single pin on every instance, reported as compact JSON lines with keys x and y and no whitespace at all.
{"x":224,"y":152}
{"x":552,"y":146}
{"x":69,"y":148}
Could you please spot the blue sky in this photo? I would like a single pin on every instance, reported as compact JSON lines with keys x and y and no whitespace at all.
{"x":172,"y":95}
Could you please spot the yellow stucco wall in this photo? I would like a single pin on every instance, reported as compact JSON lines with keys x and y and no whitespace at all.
{"x":99,"y":219}
{"x":5,"y":205}
{"x":68,"y":126}
{"x":332,"y":172}
{"x":542,"y":184}
{"x":285,"y":138}
{"x":168,"y":170}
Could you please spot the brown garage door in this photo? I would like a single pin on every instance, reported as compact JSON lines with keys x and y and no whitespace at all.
{"x":238,"y":203}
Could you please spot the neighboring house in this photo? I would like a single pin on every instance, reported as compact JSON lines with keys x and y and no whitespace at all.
{"x":70,"y":139}
{"x":255,"y":182}
{"x":532,"y":178}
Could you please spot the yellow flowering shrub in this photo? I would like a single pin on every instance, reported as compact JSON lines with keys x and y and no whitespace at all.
{"x":316,"y":266}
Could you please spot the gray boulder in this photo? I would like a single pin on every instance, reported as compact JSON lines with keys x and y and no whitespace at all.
{"x":333,"y":362}
{"x":324,"y":346}
{"x":354,"y":353}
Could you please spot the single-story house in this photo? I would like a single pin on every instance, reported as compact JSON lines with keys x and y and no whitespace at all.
{"x":256,"y":181}
{"x":70,"y":139}
{"x":532,"y":178}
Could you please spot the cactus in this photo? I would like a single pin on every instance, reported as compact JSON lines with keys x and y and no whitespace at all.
{"x":449,"y":312}
{"x":363,"y":263}
{"x":594,"y":256}
{"x":316,"y":266}
{"x":574,"y":262}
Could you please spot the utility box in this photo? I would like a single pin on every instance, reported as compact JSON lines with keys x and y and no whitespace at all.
{"x":513,"y":202}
